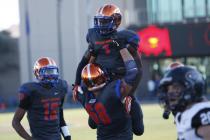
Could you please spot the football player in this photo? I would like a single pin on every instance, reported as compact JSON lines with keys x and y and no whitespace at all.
{"x":171,"y":66}
{"x":43,"y":102}
{"x":104,"y":41}
{"x":182,"y":91}
{"x":103,"y":99}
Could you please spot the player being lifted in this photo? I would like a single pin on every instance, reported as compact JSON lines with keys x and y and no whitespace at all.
{"x":102,"y":99}
{"x":104,"y":48}
{"x":182,"y":90}
{"x":43,"y":101}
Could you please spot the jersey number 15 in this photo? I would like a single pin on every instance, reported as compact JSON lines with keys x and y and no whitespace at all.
{"x":50,"y":111}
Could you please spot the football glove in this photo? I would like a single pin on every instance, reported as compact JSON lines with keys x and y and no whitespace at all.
{"x":76,"y":89}
{"x":127,"y":103}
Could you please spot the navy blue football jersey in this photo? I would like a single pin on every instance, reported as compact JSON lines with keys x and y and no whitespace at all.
{"x":43,"y":103}
{"x":106,"y":51}
{"x":108,"y":112}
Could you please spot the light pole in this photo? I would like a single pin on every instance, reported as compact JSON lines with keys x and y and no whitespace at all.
{"x":28,"y":40}
{"x":59,"y":33}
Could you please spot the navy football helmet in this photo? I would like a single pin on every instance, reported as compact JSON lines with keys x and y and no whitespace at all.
{"x":108,"y":19}
{"x":46,"y":70}
{"x":181,"y":87}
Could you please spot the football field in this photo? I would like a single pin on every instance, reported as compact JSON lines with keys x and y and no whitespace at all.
{"x":155,"y":127}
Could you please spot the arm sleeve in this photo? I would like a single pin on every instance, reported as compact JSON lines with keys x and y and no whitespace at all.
{"x":137,"y":59}
{"x":81,"y":65}
{"x":131,"y":72}
{"x":137,"y":118}
{"x":136,"y":55}
{"x":24,"y":98}
{"x":131,"y":41}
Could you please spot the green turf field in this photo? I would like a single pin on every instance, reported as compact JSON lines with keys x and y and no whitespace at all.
{"x":155,"y":127}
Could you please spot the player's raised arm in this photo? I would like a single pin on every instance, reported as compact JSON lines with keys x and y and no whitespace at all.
{"x":89,"y":55}
{"x":137,"y":58}
{"x":84,"y":61}
{"x":131,"y":72}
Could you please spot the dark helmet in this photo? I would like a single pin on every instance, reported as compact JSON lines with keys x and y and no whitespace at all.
{"x":191,"y":87}
{"x":174,"y":65}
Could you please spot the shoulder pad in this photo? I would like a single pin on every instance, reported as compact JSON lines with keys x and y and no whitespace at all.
{"x":27,"y":88}
{"x":129,"y":36}
{"x":63,"y":86}
{"x":90,"y":33}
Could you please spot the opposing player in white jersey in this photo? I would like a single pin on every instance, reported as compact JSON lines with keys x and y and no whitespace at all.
{"x":182,"y":91}
{"x":171,"y":66}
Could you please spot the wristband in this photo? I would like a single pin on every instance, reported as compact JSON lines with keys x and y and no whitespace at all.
{"x":65,"y":131}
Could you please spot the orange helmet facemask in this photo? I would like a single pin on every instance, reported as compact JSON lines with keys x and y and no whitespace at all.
{"x":93,"y":77}
{"x":108,"y":18}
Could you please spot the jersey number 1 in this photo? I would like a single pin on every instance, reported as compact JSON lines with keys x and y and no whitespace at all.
{"x":107,"y":49}
{"x":98,"y":112}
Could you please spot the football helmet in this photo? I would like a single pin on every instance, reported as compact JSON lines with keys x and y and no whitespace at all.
{"x":108,"y":18}
{"x":180,"y":87}
{"x":46,"y":70}
{"x":93,"y":77}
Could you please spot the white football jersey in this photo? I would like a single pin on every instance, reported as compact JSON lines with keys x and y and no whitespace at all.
{"x":188,"y":121}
